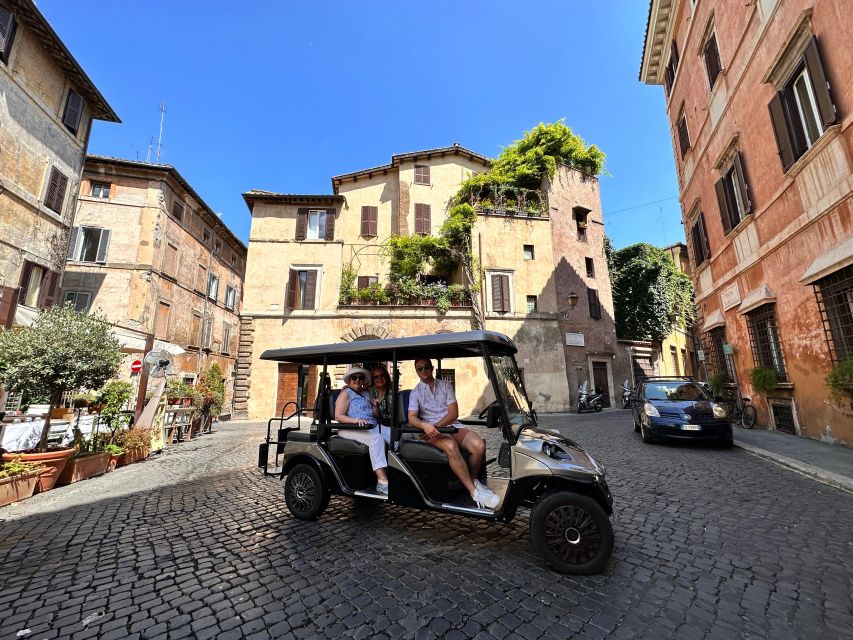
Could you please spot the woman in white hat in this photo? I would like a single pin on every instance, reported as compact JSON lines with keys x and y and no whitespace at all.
{"x":354,"y":406}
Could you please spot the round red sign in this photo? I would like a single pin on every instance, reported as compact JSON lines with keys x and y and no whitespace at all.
{"x":136,"y":366}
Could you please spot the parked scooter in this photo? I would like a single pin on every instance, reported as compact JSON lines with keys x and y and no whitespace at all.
{"x":626,"y":395}
{"x":588,"y":400}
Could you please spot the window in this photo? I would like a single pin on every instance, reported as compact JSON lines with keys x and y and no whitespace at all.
{"x":581,"y":216}
{"x":73,"y":111}
{"x":302,"y":289}
{"x":594,"y":304}
{"x":8,"y":25}
{"x":177,"y":210}
{"x":712,"y":59}
{"x":206,"y":332}
{"x":590,"y":267}
{"x":201,"y":279}
{"x":764,"y":338}
{"x":501,"y":293}
{"x":699,"y":237}
{"x":56,"y":186}
{"x":37,"y":286}
{"x":369,"y":217}
{"x":529,"y":253}
{"x":671,"y":68}
{"x":673,"y":356}
{"x":195,"y":331}
{"x":531,"y":304}
{"x":170,"y":260}
{"x":100,"y":190}
{"x":715,"y":355}
{"x":217,"y":247}
{"x":315,"y":224}
{"x":365,"y":281}
{"x":802,"y":109}
{"x":161,"y":319}
{"x":225,"y":347}
{"x":733,"y":195}
{"x":423,"y":222}
{"x":230,"y":297}
{"x":80,"y":300}
{"x":421,"y":174}
{"x":212,"y":286}
{"x":835,"y":299}
{"x":205,"y":236}
{"x":683,"y":135}
{"x":89,"y":244}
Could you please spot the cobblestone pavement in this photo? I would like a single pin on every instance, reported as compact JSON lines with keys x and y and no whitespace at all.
{"x":194,"y":543}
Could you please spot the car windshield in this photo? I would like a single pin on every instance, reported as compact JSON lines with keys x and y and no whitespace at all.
{"x":675,"y":391}
{"x":511,"y":390}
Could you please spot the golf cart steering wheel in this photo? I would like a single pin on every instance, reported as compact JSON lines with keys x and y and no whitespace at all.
{"x":485,"y":412}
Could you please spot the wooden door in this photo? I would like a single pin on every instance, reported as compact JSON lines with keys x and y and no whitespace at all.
{"x":599,"y":381}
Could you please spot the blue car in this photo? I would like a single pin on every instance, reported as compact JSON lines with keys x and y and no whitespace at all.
{"x":679,"y":409}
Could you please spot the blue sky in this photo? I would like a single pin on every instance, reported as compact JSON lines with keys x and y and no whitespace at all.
{"x":283,"y":95}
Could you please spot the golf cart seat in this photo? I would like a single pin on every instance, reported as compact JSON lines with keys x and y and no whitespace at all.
{"x":416,"y":450}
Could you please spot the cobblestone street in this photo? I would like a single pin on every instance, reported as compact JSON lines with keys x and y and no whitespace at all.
{"x":710,"y":543}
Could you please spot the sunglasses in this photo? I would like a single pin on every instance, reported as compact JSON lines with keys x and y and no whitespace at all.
{"x":424,"y":367}
{"x":381,"y":376}
{"x":357,"y":376}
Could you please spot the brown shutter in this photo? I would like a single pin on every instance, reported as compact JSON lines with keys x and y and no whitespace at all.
{"x":497,"y":300}
{"x":712,"y":59}
{"x":8,"y":24}
{"x":52,"y":187}
{"x":418,"y":219}
{"x":365,"y":221}
{"x":363,"y":282}
{"x":310,"y":289}
{"x":25,"y":281}
{"x":744,"y":188}
{"x":47,"y":295}
{"x":706,"y":246}
{"x":72,"y":242}
{"x":374,"y":221}
{"x":330,"y":225}
{"x":423,"y":223}
{"x":821,"y":86}
{"x":292,"y":285}
{"x":724,"y":205}
{"x":594,"y":306}
{"x":780,"y":128}
{"x":673,"y":58}
{"x":505,"y":294}
{"x":683,"y":135}
{"x":73,"y":111}
{"x":301,"y":223}
{"x":697,"y":245}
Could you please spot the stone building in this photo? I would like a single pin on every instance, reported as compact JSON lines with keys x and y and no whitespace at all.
{"x":760,"y":104}
{"x":546,"y":283}
{"x":148,"y":251}
{"x":46,"y":112}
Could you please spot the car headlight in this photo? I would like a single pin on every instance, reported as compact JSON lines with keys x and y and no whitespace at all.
{"x":651,"y":411}
{"x":554,"y":451}
{"x":719,"y":411}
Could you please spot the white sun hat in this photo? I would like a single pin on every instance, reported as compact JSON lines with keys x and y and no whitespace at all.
{"x":353,"y":370}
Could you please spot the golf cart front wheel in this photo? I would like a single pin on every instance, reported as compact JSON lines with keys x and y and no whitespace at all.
{"x":571,"y":532}
{"x":305,"y":492}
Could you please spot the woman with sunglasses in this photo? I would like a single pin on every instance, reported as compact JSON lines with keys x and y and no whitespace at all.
{"x":380,"y":393}
{"x":354,"y":406}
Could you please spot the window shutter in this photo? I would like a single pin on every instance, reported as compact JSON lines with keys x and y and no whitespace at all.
{"x":706,"y":246}
{"x":73,"y":111}
{"x":103,"y":245}
{"x":330,"y":225}
{"x":683,"y":136}
{"x":497,"y":301}
{"x":418,"y":219}
{"x":673,"y":59}
{"x":374,"y":221}
{"x":365,"y":221}
{"x":594,"y":306}
{"x":363,"y":282}
{"x":52,"y":188}
{"x":47,"y":296}
{"x":291,"y":289}
{"x":25,"y":281}
{"x":505,"y":294}
{"x":742,"y":184}
{"x":423,"y":224}
{"x":821,"y":86}
{"x":301,"y":223}
{"x":712,"y":59}
{"x":724,"y":205}
{"x":72,"y":242}
{"x":780,"y":128}
{"x":698,"y":258}
{"x":310,"y":289}
{"x":8,"y":24}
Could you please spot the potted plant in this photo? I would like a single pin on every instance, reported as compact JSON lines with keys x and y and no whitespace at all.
{"x":18,"y":480}
{"x":718,"y":383}
{"x":177,"y":392}
{"x":136,"y":443}
{"x":209,"y":396}
{"x":116,"y":454}
{"x":90,"y":460}
{"x":82,"y":400}
{"x":64,"y":349}
{"x":113,"y":397}
{"x":840,"y":379}
{"x":764,"y":380}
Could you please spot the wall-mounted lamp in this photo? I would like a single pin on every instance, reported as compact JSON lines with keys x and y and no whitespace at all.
{"x":572,"y":300}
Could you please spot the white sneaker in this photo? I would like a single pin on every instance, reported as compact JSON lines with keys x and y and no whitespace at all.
{"x":484,"y":497}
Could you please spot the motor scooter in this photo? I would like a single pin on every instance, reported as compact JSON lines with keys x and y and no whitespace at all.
{"x":626,"y":395}
{"x":588,"y":400}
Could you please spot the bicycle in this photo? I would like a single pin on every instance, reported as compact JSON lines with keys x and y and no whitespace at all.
{"x":741,"y":412}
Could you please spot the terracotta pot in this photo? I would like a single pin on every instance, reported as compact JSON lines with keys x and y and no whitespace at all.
{"x":17,"y":487}
{"x":115,"y":461}
{"x":53,"y":461}
{"x":133,"y":455}
{"x":84,"y":468}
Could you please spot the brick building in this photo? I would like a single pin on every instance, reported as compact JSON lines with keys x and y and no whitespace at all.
{"x":148,"y":251}
{"x":46,"y":112}
{"x":760,"y":102}
{"x":546,"y":281}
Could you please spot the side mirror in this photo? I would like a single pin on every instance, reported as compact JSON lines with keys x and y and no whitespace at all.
{"x":494,"y":416}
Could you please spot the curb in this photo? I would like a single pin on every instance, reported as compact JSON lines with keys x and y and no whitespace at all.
{"x":816,"y":473}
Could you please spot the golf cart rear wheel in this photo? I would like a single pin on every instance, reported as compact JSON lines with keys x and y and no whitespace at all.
{"x":571,"y":532}
{"x":305,"y":492}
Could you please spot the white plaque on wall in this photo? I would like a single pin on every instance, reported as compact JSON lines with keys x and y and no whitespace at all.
{"x":730,"y":296}
{"x":574,"y":340}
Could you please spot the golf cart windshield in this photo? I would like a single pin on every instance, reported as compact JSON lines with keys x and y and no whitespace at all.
{"x":511,"y":390}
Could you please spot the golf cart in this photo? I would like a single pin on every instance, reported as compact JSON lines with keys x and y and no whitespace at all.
{"x":541,"y":470}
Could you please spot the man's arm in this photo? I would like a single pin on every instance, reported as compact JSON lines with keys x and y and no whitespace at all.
{"x":452,"y":415}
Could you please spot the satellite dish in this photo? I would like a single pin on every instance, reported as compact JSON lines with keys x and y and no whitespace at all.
{"x":157,"y":362}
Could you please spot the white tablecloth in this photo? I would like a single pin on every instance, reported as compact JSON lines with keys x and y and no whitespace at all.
{"x":21,"y":436}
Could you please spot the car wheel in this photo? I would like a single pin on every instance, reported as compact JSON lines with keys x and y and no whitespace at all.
{"x":647,"y":437}
{"x":636,"y":427}
{"x":305,"y":492}
{"x":571,"y":532}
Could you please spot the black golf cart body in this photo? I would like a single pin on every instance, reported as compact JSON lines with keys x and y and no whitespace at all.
{"x":542,"y":465}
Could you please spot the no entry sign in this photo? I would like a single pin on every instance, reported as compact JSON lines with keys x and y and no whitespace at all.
{"x":136,"y":366}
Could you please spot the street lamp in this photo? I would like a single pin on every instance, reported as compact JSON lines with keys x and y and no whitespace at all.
{"x":572,"y":300}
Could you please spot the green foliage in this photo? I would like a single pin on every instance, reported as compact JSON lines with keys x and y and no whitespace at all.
{"x":209,"y":392}
{"x":348,"y":291}
{"x":840,"y":379}
{"x":409,"y":256}
{"x":177,"y":390}
{"x":16,"y":467}
{"x":134,"y":438}
{"x":80,"y":400}
{"x":114,"y":396}
{"x":650,"y":294}
{"x":718,"y":383}
{"x":113,"y":449}
{"x":374,"y":293}
{"x":764,"y":380}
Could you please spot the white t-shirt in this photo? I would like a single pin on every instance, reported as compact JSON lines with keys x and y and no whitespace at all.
{"x":431,"y":406}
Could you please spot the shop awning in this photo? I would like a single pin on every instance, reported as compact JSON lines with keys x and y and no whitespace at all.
{"x":837,"y":257}
{"x":134,"y":342}
{"x":714,"y":320}
{"x":755,"y":298}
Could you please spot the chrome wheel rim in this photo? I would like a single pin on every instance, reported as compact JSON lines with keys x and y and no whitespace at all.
{"x":572,"y":534}
{"x":301,"y":491}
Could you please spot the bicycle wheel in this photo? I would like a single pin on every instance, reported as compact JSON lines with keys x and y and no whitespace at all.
{"x":747,"y":417}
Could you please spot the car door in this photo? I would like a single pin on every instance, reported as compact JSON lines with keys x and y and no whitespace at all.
{"x":636,"y":403}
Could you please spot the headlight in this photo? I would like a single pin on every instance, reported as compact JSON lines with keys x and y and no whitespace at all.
{"x":553,"y":451}
{"x":651,"y":410}
{"x":719,"y":411}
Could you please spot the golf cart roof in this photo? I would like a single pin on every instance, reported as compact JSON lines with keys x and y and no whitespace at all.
{"x":465,"y":344}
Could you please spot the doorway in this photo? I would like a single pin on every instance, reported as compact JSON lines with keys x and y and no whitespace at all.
{"x":600,"y":382}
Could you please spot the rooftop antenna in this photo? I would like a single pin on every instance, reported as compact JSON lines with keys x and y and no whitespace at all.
{"x":662,"y":227}
{"x":136,"y":151}
{"x":150,"y":146}
{"x":160,"y":138}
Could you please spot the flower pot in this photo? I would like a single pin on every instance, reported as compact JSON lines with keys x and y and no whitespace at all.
{"x":18,"y":487}
{"x":115,"y":461}
{"x":53,"y":461}
{"x":84,"y":468}
{"x":133,"y":455}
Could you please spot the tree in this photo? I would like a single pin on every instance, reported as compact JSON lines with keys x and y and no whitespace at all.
{"x":209,"y":393}
{"x":63,"y":351}
{"x":650,"y":294}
